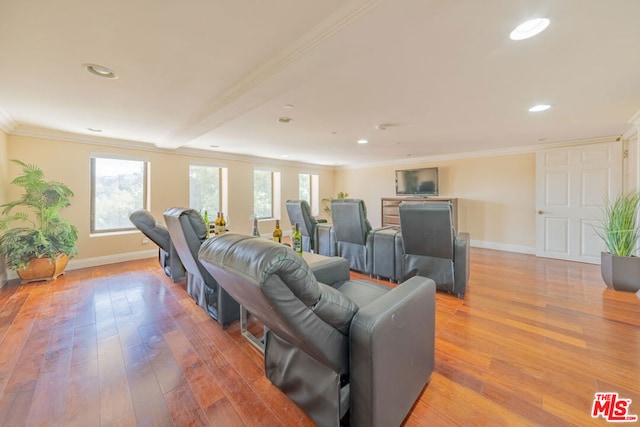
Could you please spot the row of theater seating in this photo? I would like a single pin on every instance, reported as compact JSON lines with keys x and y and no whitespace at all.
{"x":179,"y":242}
{"x":347,"y":352}
{"x":425,"y":243}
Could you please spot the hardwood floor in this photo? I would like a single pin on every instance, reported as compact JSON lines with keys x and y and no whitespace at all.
{"x":121,"y":345}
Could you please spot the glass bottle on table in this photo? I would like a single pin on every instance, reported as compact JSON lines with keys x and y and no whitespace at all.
{"x":255,"y":231}
{"x":216,"y":225}
{"x":222,"y":227}
{"x":277,"y":233}
{"x":223,"y":223}
{"x":205,"y":216}
{"x":296,"y":239}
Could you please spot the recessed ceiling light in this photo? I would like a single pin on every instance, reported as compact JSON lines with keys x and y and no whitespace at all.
{"x":539,"y":107}
{"x":285,"y":156}
{"x":529,"y":29}
{"x":100,"y":71}
{"x":94,"y":130}
{"x":363,"y":141}
{"x":285,"y":119}
{"x":214,"y":146}
{"x":385,"y":126}
{"x":288,"y":106}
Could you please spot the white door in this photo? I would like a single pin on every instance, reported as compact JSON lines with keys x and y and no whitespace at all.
{"x":572,"y":184}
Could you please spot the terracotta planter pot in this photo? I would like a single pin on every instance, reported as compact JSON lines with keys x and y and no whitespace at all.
{"x":620,"y":273}
{"x":43,"y":269}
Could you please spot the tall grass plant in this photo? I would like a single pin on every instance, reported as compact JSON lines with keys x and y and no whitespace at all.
{"x":619,"y":228}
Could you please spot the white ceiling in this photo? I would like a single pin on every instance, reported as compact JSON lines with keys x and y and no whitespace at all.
{"x":442,"y":73}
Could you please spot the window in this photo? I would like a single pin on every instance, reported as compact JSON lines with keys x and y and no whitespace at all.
{"x":304,"y":187}
{"x":266,"y":194}
{"x":118,"y":187}
{"x":308,"y":190}
{"x":205,"y":188}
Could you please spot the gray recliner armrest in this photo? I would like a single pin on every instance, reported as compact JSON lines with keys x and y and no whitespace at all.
{"x":462,"y":263}
{"x":332,"y":271}
{"x":325,"y":240}
{"x":369,"y":252}
{"x":392,"y":353}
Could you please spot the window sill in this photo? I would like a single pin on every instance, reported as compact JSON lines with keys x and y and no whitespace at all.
{"x":112,"y":233}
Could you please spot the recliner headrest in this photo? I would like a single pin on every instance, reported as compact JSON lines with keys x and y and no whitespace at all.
{"x":350,"y":223}
{"x":147,"y":224}
{"x":260,"y":259}
{"x":197,"y":222}
{"x":299,"y":211}
{"x":142,"y":218}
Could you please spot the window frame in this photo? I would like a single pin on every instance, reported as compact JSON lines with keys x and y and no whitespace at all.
{"x":275,"y":193}
{"x":314,"y":193}
{"x":146,"y":172}
{"x":222,"y":186}
{"x":301,"y":174}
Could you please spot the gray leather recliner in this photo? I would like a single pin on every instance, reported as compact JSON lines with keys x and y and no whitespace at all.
{"x":188,"y":231}
{"x":158,"y":233}
{"x":358,"y":347}
{"x":351,"y":230}
{"x":299,"y":212}
{"x":431,"y":247}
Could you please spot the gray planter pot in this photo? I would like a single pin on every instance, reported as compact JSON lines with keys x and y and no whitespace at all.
{"x":620,"y":273}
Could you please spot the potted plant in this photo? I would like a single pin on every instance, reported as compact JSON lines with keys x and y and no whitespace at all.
{"x":327,"y":201}
{"x":619,"y":231}
{"x":41,"y":245}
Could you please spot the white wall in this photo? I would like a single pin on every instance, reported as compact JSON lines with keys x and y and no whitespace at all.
{"x":69,"y":162}
{"x":631,"y":144}
{"x":4,"y":185}
{"x":496,"y":196}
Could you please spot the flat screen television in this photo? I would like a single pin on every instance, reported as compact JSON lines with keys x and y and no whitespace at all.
{"x":417,"y":182}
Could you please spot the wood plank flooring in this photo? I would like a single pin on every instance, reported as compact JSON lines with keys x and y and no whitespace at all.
{"x":121,"y":345}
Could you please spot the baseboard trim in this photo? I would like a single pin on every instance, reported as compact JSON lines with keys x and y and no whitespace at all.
{"x":76,"y":264}
{"x":503,"y":247}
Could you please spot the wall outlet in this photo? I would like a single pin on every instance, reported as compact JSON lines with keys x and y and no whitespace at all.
{"x":145,"y":240}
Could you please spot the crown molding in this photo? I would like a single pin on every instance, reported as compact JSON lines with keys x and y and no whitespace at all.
{"x":509,"y":151}
{"x":217,"y":155}
{"x":634,"y":121}
{"x":202,"y":123}
{"x":150,"y":147}
{"x":631,"y":133}
{"x":7,"y":124}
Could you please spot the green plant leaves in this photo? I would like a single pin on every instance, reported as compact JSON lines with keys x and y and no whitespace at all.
{"x":619,"y":228}
{"x":327,"y":201}
{"x":42,"y":231}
